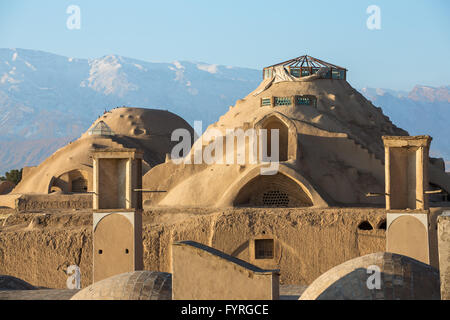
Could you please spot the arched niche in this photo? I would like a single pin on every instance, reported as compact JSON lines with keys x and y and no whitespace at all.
{"x":272,"y":191}
{"x":287,"y":135}
{"x":407,"y":235}
{"x":76,"y":181}
{"x":113,"y":246}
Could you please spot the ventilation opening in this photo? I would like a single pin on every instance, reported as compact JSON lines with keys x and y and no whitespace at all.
{"x":126,"y":251}
{"x":79,"y":185}
{"x":365,"y":225}
{"x":100,"y":251}
{"x":264,"y":249}
{"x":382,"y":225}
{"x":275,"y":198}
{"x":272,"y":191}
{"x":283,"y":138}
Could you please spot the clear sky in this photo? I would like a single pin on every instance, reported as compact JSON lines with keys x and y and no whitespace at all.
{"x":412,"y":47}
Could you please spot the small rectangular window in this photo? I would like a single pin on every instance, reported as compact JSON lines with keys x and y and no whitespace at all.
{"x":283,"y":101}
{"x":264,"y":249}
{"x":266,"y":102}
{"x":295,"y":72}
{"x":306,"y":100}
{"x":305,"y":72}
{"x":338,"y":74}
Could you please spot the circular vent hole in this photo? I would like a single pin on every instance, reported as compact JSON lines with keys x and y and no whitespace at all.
{"x":275,"y":198}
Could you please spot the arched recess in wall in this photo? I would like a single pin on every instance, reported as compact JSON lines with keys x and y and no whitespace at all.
{"x":317,"y":197}
{"x":287,"y":135}
{"x":76,"y":181}
{"x":272,"y":191}
{"x":273,"y":123}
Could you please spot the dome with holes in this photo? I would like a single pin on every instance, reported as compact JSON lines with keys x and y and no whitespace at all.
{"x":377,"y":276}
{"x":69,"y":169}
{"x":136,"y":285}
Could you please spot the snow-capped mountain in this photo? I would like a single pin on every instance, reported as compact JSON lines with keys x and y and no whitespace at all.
{"x":47,"y":100}
{"x":46,"y":95}
{"x":423,"y":110}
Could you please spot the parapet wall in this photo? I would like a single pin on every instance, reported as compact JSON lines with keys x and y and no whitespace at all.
{"x":307,"y":242}
{"x":203,"y":273}
{"x":38,"y":247}
{"x":31,"y":202}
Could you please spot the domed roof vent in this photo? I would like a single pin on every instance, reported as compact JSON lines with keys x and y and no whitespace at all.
{"x":101,"y":129}
{"x":305,"y":66}
{"x":134,"y":285}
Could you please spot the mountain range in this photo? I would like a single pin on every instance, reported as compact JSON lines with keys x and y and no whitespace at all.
{"x":47,"y":100}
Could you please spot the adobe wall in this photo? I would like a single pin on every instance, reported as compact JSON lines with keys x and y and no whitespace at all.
{"x":38,"y":202}
{"x":203,"y":273}
{"x":444,"y":254}
{"x":38,"y":248}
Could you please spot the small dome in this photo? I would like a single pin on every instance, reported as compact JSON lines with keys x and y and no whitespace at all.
{"x":136,"y":285}
{"x":402,"y":278}
{"x":13,"y":283}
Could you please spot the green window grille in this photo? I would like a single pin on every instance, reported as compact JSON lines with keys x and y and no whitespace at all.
{"x":295,"y":72}
{"x":338,"y":74}
{"x":266,"y":102}
{"x":327,"y":75}
{"x":304,"y":101}
{"x":283,"y":101}
{"x":305,"y":72}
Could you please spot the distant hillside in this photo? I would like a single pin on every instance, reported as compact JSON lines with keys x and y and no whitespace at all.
{"x":424,"y":110}
{"x":47,"y":100}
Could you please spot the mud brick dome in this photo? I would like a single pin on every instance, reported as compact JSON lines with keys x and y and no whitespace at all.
{"x":137,"y":285}
{"x":401,"y":277}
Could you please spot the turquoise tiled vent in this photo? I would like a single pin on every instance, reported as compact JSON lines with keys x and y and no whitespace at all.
{"x":283,"y":101}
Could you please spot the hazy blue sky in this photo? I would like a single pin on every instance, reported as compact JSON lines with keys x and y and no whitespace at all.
{"x":412,"y":47}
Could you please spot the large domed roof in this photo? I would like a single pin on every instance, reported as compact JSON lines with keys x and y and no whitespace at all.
{"x":402,"y":278}
{"x":141,"y":122}
{"x":136,"y":285}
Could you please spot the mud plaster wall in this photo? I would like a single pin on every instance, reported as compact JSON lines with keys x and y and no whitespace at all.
{"x":38,"y":248}
{"x":192,"y":278}
{"x":444,"y":254}
{"x":35,"y":202}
